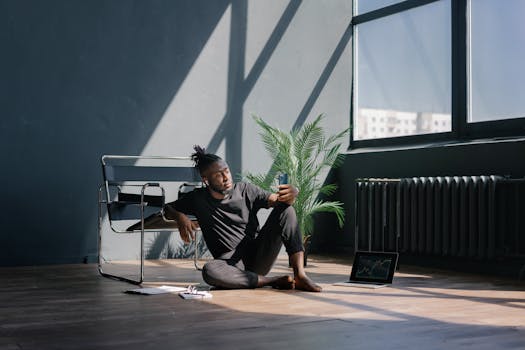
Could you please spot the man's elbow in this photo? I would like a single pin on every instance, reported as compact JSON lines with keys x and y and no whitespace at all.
{"x":168,"y":212}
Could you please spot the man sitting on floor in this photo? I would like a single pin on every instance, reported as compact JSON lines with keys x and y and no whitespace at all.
{"x":227,"y":214}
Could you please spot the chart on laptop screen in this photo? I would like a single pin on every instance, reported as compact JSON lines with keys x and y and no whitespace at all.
{"x":374,"y":267}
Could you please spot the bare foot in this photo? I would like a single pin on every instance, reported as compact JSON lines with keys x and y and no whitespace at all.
{"x":282,"y":282}
{"x":306,"y":284}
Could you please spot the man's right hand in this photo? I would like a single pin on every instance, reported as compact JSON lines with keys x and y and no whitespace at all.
{"x":187,"y":227}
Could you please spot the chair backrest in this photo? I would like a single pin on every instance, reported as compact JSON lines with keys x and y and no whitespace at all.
{"x":148,"y":169}
{"x":123,"y":172}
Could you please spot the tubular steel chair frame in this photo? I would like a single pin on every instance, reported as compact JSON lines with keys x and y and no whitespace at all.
{"x":186,"y":174}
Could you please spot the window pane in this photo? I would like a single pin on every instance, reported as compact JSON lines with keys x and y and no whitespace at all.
{"x":403,"y":74}
{"x":497,"y":55}
{"x":364,"y":6}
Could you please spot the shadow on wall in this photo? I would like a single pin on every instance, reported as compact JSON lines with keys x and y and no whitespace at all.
{"x":239,"y":87}
{"x":80,"y":79}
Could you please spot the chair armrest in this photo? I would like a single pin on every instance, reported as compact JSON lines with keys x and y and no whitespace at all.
{"x":156,"y":221}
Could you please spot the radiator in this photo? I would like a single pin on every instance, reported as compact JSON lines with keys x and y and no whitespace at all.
{"x":477,"y":217}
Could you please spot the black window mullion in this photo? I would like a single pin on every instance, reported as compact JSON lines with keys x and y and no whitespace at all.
{"x":459,"y":67}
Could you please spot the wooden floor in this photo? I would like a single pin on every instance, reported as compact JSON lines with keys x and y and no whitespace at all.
{"x":72,"y":307}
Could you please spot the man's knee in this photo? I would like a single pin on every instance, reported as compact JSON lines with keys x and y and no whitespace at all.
{"x":211,"y":271}
{"x":289,"y":212}
{"x":219,"y":273}
{"x":288,"y":218}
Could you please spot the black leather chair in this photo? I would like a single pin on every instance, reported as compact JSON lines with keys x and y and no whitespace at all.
{"x":134,"y":191}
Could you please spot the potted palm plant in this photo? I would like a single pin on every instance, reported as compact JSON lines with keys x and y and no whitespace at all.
{"x":304,"y":154}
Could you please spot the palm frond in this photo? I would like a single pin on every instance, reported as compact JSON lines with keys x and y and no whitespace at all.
{"x":308,"y":138}
{"x":272,"y":137}
{"x":335,"y":207}
{"x":328,"y":190}
{"x":338,"y":161}
{"x":337,"y":137}
{"x":258,"y":180}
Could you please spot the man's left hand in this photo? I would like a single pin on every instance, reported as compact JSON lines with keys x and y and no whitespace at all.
{"x":287,"y":194}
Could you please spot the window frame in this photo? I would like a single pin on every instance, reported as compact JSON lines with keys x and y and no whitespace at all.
{"x":462,"y":130}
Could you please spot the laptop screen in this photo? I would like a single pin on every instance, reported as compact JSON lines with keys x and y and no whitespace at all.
{"x":375,"y":267}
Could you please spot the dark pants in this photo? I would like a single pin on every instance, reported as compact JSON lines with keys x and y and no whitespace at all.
{"x":253,"y":257}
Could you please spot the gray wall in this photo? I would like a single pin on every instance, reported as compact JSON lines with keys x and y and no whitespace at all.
{"x":85,"y":78}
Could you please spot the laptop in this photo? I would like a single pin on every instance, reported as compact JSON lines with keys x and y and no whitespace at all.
{"x":372,"y":270}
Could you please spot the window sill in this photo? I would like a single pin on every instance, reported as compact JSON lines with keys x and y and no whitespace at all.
{"x":455,"y":143}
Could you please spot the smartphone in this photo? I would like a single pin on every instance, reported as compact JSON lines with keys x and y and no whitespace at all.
{"x":283,"y":179}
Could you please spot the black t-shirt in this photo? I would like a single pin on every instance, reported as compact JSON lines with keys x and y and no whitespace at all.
{"x":225,"y":222}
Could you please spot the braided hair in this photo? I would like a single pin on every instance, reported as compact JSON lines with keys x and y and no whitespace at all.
{"x":202,"y":159}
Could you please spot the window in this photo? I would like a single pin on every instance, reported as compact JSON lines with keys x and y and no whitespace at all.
{"x":437,"y":70}
{"x":403,"y":70}
{"x":496,"y":57}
